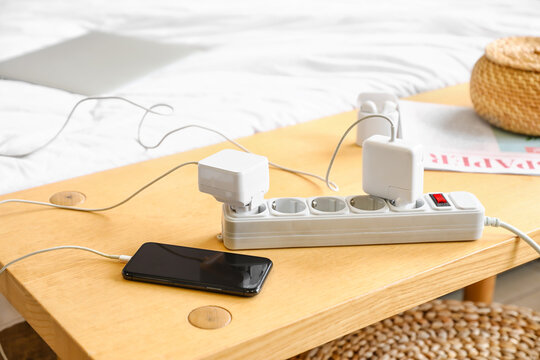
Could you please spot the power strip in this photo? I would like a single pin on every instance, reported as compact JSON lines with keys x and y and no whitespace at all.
{"x":353,"y":220}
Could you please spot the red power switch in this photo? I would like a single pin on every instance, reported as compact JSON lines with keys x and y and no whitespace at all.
{"x":439,"y":199}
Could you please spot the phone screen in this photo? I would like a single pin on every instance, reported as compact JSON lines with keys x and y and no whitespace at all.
{"x":202,"y":269}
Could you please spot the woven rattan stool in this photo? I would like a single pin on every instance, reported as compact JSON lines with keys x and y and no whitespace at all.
{"x":505,"y":85}
{"x":442,"y":330}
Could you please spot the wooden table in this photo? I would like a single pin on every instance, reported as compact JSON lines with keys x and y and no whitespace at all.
{"x":82,"y":307}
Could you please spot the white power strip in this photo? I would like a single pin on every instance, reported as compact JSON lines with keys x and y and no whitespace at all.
{"x":353,"y":220}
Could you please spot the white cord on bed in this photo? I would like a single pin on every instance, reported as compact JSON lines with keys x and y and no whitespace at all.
{"x":392,"y":138}
{"x":147,"y":110}
{"x":122,"y":258}
{"x":102,"y":208}
{"x":495,"y":222}
{"x":330,"y":184}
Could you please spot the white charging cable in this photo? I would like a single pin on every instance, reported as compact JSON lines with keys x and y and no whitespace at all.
{"x":333,"y":186}
{"x":392,"y":138}
{"x":33,"y":202}
{"x":68,"y":118}
{"x":122,"y":258}
{"x":102,"y":208}
{"x":495,"y":222}
{"x":152,"y":111}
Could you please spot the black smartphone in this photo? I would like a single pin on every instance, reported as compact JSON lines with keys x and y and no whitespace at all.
{"x":201,"y":269}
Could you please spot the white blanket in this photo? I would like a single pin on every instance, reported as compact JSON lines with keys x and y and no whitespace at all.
{"x":266,"y":65}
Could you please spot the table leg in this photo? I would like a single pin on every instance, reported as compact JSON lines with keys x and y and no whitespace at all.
{"x":20,"y":341}
{"x":481,"y":291}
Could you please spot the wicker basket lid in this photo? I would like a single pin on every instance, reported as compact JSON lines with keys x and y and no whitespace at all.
{"x":505,"y":85}
{"x":517,"y":52}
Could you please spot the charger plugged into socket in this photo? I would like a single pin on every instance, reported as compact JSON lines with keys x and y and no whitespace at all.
{"x":393,"y":170}
{"x":236,"y":178}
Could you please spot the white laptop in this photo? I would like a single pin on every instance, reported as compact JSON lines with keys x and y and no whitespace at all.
{"x":93,"y":64}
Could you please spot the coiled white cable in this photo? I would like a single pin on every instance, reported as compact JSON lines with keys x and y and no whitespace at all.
{"x":122,"y":258}
{"x":495,"y":222}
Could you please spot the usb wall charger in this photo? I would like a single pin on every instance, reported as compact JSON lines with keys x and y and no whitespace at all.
{"x":236,"y":178}
{"x":393,"y":170}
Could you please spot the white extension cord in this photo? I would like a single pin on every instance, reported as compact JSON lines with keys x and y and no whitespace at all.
{"x":495,"y":222}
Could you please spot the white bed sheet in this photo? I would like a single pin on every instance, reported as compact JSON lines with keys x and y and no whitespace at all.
{"x":266,"y":65}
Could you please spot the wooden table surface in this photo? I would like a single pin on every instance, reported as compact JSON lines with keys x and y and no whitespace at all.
{"x":80,"y":304}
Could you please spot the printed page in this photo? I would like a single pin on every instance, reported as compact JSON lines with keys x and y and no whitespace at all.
{"x":455,"y":138}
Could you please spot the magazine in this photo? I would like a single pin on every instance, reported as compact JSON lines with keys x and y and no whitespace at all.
{"x":455,"y":138}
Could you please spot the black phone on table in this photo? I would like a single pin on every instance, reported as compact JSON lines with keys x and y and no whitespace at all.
{"x":201,"y":269}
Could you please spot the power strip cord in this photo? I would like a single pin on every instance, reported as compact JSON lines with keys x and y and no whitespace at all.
{"x":495,"y":222}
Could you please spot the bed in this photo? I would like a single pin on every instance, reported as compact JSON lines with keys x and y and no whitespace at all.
{"x":262,"y":66}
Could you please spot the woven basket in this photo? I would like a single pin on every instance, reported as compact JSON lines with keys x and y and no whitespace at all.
{"x":505,"y":85}
{"x":442,"y":330}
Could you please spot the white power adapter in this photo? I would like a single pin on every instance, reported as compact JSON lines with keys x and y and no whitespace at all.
{"x":393,"y":170}
{"x":236,"y":178}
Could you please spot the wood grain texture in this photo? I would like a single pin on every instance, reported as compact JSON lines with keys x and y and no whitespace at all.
{"x":83,"y":308}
